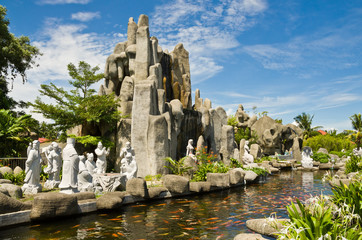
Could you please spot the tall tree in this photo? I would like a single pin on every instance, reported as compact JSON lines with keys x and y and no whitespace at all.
{"x":304,"y":121}
{"x":79,"y":106}
{"x":356,"y":136}
{"x":16,"y":56}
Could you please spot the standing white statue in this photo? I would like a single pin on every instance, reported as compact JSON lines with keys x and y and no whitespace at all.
{"x":32,"y":170}
{"x":69,"y":183}
{"x":54,"y":165}
{"x":90,"y":164}
{"x":190,"y":150}
{"x":307,"y":161}
{"x":102,"y":154}
{"x":247,"y":158}
{"x":128,"y":163}
{"x":84,"y":177}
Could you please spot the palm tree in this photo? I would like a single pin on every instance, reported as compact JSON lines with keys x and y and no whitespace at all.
{"x":304,"y":121}
{"x":356,"y":136}
{"x":10,"y":128}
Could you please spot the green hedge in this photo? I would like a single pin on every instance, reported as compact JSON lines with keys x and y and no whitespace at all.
{"x":328,"y":142}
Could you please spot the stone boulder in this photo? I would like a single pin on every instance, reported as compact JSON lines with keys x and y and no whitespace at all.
{"x":52,"y":205}
{"x":137,"y":187}
{"x":8,"y":204}
{"x":322,"y":150}
{"x":191,"y":164}
{"x":17,"y":170}
{"x":200,"y":186}
{"x":250,"y":176}
{"x":218,"y":179}
{"x":5,"y":169}
{"x":11,"y":190}
{"x":266,"y":227}
{"x":236,"y":176}
{"x":5,"y":181}
{"x":110,"y":200}
{"x":81,"y":196}
{"x":249,"y":236}
{"x":155,"y":192}
{"x":175,"y":183}
{"x":255,"y":151}
{"x":325,"y":166}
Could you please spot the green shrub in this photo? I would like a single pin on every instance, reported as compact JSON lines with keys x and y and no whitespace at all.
{"x":235,"y":163}
{"x":321,"y":157}
{"x":339,"y":154}
{"x":247,"y":134}
{"x":177,"y":167}
{"x":257,"y":170}
{"x":331,"y":143}
{"x":16,"y":179}
{"x":208,"y":167}
{"x":156,"y":177}
{"x":354,"y":164}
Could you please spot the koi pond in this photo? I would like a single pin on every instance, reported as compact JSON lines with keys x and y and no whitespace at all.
{"x":215,"y":215}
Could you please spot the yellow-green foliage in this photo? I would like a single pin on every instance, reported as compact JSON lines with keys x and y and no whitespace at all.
{"x":331,"y":143}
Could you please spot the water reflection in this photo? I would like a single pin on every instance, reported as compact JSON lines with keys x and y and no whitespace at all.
{"x":215,"y":215}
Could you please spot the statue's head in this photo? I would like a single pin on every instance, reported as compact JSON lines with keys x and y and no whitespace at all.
{"x":100,"y":145}
{"x":128,"y":145}
{"x":71,"y":141}
{"x":191,"y":141}
{"x":82,"y":158}
{"x":55,"y":145}
{"x":90,"y":157}
{"x":36,"y":144}
{"x":50,"y":148}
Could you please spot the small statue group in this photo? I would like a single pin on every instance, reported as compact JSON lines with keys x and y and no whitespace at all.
{"x":247,"y":158}
{"x":128,"y":164}
{"x":78,"y":172}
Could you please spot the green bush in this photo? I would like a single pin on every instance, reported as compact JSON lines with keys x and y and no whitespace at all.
{"x":177,"y":167}
{"x":321,"y":157}
{"x":257,"y":170}
{"x":208,"y":167}
{"x":235,"y":163}
{"x":16,"y":179}
{"x":339,"y":154}
{"x":354,"y":164}
{"x":331,"y":143}
{"x":247,"y":134}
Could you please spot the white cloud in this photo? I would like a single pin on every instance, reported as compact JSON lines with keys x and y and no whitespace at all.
{"x":54,"y":2}
{"x":85,"y":16}
{"x":208,"y":30}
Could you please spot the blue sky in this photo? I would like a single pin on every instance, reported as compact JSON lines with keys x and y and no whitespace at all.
{"x":284,"y":57}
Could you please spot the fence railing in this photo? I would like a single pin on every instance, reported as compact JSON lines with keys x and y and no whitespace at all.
{"x":13,"y":162}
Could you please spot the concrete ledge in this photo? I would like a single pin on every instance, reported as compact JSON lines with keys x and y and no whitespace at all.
{"x":8,"y":219}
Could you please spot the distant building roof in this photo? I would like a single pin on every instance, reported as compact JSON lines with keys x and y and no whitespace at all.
{"x":322,"y":132}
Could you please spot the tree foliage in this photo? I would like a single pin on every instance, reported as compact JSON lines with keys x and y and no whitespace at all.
{"x":11,"y":143}
{"x":79,"y":106}
{"x":304,"y":121}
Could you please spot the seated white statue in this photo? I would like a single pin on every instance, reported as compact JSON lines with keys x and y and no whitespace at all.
{"x":128,"y":163}
{"x":247,"y":158}
{"x":307,"y":161}
{"x":84,"y":177}
{"x":102,"y":154}
{"x":90,"y":164}
{"x":190,"y":150}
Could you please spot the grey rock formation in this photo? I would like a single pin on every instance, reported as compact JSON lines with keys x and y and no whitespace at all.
{"x":249,"y":236}
{"x":255,"y":151}
{"x":322,"y":150}
{"x":265,"y":226}
{"x":175,"y":183}
{"x":8,"y":204}
{"x":218,"y":179}
{"x":227,"y":143}
{"x":4,"y":170}
{"x":297,"y":143}
{"x":53,"y":204}
{"x":17,"y":170}
{"x":11,"y":190}
{"x":137,"y":187}
{"x":236,"y":176}
{"x":110,"y":200}
{"x":200,"y":186}
{"x":155,"y":192}
{"x":250,"y":176}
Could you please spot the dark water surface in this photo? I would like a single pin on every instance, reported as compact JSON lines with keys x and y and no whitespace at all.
{"x":217,"y":215}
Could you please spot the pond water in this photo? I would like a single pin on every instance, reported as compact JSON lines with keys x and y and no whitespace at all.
{"x":216,"y":215}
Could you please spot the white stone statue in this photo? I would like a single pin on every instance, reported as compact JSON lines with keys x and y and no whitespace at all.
{"x":32,"y":170}
{"x":69,"y":183}
{"x":53,"y":155}
{"x":307,"y":161}
{"x":102,"y":154}
{"x":90,"y":164}
{"x":190,"y":150}
{"x":357,"y":152}
{"x":85,"y":179}
{"x":128,"y":163}
{"x":28,"y":149}
{"x":247,"y":158}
